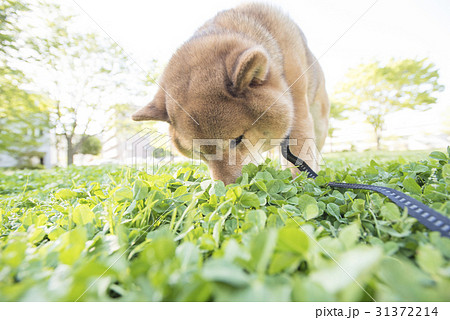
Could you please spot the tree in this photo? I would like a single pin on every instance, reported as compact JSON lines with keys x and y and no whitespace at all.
{"x":24,"y":115}
{"x":9,"y":29}
{"x":85,"y":73}
{"x":378,"y":89}
{"x":90,"y":145}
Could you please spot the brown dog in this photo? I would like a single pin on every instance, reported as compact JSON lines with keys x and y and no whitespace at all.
{"x":245,"y":78}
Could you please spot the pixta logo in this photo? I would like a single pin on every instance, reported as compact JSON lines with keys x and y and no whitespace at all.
{"x":226,"y":150}
{"x":149,"y":150}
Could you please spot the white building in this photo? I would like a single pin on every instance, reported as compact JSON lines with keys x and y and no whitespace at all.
{"x":39,"y":155}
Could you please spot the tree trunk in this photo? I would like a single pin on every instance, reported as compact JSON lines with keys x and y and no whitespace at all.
{"x":70,"y":151}
{"x":378,"y":137}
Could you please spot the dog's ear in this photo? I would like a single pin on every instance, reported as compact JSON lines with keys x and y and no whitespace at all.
{"x":155,"y":110}
{"x":251,"y":68}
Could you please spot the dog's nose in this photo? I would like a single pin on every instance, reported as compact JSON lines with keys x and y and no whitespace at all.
{"x":225,"y":178}
{"x":220,"y":170}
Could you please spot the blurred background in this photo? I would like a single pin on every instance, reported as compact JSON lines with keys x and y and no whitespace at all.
{"x":72,"y":73}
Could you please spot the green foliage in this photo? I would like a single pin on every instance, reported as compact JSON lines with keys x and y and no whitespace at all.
{"x":116,"y":234}
{"x":10,"y":11}
{"x":377,"y":89}
{"x":337,"y":112}
{"x":23,"y":115}
{"x":90,"y":145}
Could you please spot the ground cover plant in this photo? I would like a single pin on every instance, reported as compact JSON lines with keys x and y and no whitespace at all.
{"x":116,"y":234}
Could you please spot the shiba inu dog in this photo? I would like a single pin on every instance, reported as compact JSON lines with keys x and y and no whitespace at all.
{"x":245,"y":79}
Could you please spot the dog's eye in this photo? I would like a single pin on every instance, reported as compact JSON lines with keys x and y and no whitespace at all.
{"x":236,"y":141}
{"x":255,"y":83}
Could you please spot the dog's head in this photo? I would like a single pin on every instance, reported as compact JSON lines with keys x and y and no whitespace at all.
{"x":224,"y":100}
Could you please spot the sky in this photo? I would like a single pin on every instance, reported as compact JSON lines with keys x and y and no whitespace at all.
{"x":341,"y":34}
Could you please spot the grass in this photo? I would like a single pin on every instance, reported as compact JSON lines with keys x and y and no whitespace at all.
{"x":361,"y":159}
{"x":116,"y":234}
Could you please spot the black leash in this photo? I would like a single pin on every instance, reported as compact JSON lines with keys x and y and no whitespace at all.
{"x":430,"y":218}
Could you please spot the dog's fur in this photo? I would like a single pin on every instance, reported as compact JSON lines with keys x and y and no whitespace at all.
{"x":245,"y":62}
